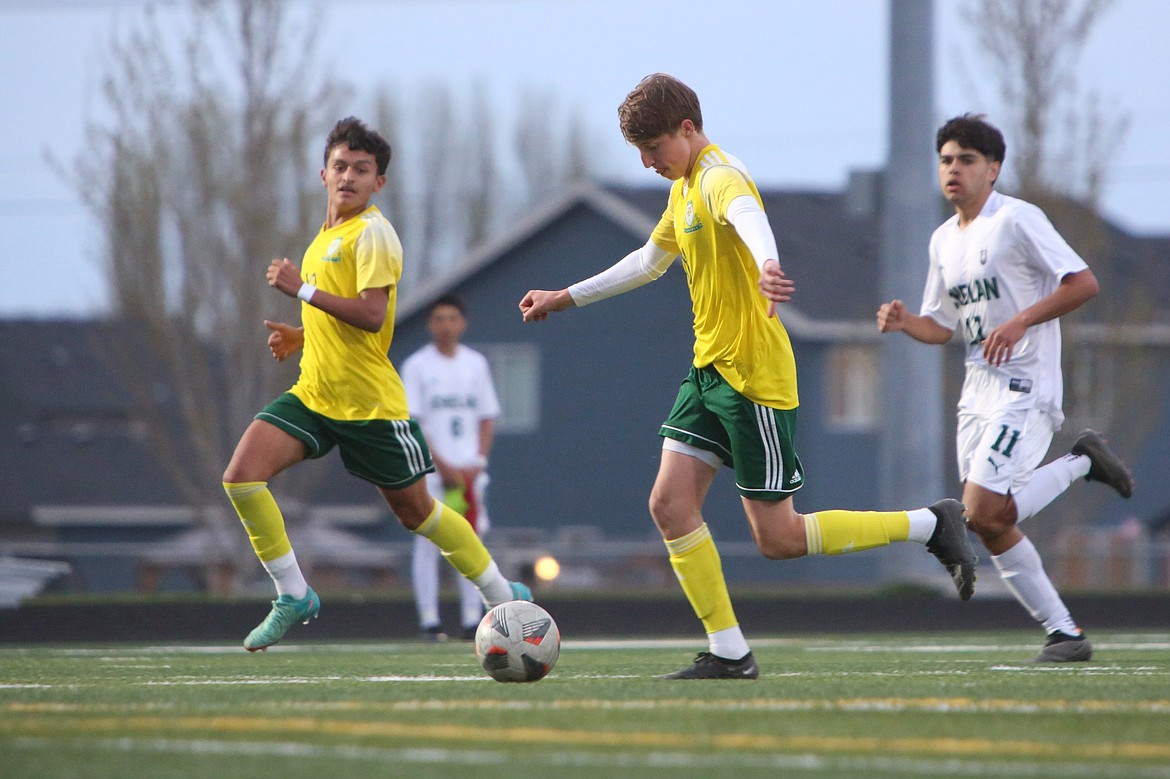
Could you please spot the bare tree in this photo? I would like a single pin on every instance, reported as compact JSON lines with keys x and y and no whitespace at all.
{"x":479,"y":197}
{"x":199,"y":173}
{"x":453,"y":190}
{"x":1034,"y":48}
{"x":424,"y":194}
{"x":549,"y":156}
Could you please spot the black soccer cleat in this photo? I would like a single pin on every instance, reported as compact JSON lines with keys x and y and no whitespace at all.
{"x":1063,"y":648}
{"x":1105,"y":466}
{"x":709,"y":666}
{"x":951,"y":545}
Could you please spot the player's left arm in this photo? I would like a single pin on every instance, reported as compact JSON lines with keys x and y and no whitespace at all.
{"x":730,"y":197}
{"x":1072,"y":292}
{"x":1048,"y":252}
{"x":284,"y":340}
{"x":752,"y":226}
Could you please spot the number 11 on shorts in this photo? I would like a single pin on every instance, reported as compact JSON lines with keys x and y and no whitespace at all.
{"x":998,"y":446}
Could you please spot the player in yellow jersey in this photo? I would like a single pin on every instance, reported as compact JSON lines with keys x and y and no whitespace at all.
{"x":737,"y":406}
{"x":348,"y":394}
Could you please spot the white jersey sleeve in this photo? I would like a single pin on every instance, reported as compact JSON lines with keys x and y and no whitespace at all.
{"x":1045,"y":247}
{"x":936,"y":303}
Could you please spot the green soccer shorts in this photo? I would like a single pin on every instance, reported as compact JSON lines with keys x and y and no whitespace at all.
{"x":755,"y":440}
{"x":390,"y":453}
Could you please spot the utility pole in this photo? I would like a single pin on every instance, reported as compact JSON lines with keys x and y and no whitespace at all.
{"x":912,"y":446}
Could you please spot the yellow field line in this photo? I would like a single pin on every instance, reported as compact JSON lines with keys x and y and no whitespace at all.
{"x":687,"y":742}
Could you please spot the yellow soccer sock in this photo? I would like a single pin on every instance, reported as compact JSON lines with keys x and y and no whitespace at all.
{"x":696,"y":564}
{"x":457,"y":540}
{"x":838,"y":532}
{"x":261,"y":517}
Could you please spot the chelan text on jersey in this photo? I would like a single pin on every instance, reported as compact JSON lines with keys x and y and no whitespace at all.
{"x":978,"y":290}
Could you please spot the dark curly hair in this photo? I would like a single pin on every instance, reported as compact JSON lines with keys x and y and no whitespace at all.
{"x":972,"y":131}
{"x":353,"y":132}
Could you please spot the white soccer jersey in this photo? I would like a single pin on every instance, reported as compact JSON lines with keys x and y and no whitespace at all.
{"x":1006,"y":260}
{"x":449,"y":396}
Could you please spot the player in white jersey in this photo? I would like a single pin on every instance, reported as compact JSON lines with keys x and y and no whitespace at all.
{"x":450,"y":392}
{"x":1001,"y":275}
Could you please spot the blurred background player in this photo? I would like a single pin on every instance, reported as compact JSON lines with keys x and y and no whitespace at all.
{"x":737,"y":406}
{"x":348,"y":394}
{"x":451,"y":395}
{"x":1001,"y":274}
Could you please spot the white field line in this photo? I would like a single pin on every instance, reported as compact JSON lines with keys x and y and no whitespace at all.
{"x":917,"y":644}
{"x":310,"y":680}
{"x":673,"y":760}
{"x":156,"y":655}
{"x":277,"y":681}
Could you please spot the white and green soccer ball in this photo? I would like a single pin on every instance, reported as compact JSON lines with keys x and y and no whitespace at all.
{"x":517,"y":641}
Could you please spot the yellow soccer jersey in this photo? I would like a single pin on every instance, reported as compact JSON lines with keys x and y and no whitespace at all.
{"x":732,"y":329}
{"x":346,"y":373}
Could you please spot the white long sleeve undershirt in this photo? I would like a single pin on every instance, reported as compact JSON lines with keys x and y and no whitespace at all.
{"x":630,"y":272}
{"x":751,"y":223}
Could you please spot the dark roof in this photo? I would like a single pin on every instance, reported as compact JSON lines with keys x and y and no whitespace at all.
{"x":66,"y":416}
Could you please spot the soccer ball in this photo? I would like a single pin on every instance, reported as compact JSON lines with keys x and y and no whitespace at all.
{"x":517,"y":641}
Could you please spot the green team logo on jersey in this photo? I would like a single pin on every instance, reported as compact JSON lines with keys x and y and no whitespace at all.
{"x":333,"y":253}
{"x":692,"y":223}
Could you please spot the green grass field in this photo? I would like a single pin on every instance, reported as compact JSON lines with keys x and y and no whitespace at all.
{"x":872,"y":705}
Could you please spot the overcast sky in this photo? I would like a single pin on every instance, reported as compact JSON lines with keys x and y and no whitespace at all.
{"x":796,"y":89}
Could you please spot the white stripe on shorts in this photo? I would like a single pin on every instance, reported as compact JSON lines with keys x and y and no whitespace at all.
{"x":410,"y":446}
{"x":770,"y":437}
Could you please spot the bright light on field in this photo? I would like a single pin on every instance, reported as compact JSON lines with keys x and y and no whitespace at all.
{"x":547,"y":568}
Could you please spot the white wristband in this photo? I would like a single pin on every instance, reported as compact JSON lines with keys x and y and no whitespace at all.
{"x":306,"y":291}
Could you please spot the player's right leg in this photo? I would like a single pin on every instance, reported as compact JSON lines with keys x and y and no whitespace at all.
{"x":675,"y":504}
{"x":265,"y":450}
{"x":997,"y":458}
{"x":424,"y":579}
{"x":393,"y":455}
{"x":425,"y":576}
{"x":456,"y":539}
{"x":1019,"y":565}
{"x":693,"y":449}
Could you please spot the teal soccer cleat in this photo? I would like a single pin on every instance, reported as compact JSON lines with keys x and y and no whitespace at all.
{"x":286,"y":610}
{"x":520,"y":591}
